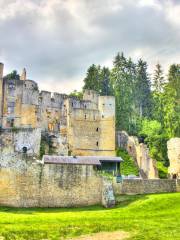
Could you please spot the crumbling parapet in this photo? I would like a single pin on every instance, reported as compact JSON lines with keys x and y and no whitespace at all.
{"x":173,"y":146}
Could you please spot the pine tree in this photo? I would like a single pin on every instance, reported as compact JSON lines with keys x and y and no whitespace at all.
{"x":158,"y":79}
{"x":158,"y":89}
{"x":105,"y":82}
{"x":171,"y":105}
{"x":143,"y":90}
{"x":92,"y":79}
{"x":122,"y":75}
{"x":174,"y":78}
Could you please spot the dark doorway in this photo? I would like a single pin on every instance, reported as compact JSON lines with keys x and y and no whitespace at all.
{"x":24,"y":149}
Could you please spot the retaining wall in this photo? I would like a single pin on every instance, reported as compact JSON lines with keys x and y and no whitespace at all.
{"x":50,"y":186}
{"x":145,"y":186}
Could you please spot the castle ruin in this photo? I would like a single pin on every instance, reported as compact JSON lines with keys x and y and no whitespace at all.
{"x":65,"y":125}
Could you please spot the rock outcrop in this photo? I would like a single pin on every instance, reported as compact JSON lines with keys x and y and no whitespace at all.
{"x":173,"y":146}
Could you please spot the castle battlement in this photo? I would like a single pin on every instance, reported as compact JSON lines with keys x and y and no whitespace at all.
{"x":84,"y":127}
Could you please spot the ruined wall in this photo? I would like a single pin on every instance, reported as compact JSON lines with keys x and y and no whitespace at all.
{"x":145,"y":186}
{"x":1,"y":90}
{"x":139,"y":152}
{"x":12,"y":143}
{"x":12,"y":102}
{"x":82,"y":127}
{"x":91,"y":125}
{"x":30,"y":105}
{"x":173,"y":146}
{"x":50,"y":186}
{"x":83,"y":132}
{"x":106,"y":106}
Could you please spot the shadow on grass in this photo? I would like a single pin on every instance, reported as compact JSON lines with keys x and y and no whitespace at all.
{"x":121,"y":201}
{"x":125,"y":200}
{"x":33,"y":210}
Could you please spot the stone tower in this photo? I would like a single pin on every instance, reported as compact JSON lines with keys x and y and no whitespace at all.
{"x":1,"y":90}
{"x":23,"y":75}
{"x":106,"y":106}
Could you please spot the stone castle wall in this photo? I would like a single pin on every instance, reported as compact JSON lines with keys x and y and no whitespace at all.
{"x":145,"y":186}
{"x":173,"y":146}
{"x":139,"y":152}
{"x":14,"y":142}
{"x":91,"y":125}
{"x":86,"y":126}
{"x":50,"y":186}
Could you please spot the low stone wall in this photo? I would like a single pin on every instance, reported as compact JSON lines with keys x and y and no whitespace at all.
{"x":145,"y":186}
{"x":50,"y":186}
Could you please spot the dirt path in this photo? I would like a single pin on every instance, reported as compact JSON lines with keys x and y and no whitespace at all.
{"x":118,"y":235}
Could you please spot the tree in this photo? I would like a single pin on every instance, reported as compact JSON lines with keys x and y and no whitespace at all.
{"x":171,"y":102}
{"x":174,"y":79}
{"x":12,"y":76}
{"x":158,"y":89}
{"x":123,"y":80}
{"x":143,"y":90}
{"x":92,"y":79}
{"x":105,"y":82}
{"x":158,"y":79}
{"x":76,"y":94}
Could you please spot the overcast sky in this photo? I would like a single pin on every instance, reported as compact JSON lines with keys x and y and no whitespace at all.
{"x":56,"y":40}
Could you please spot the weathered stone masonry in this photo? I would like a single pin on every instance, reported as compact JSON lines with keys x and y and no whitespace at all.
{"x":145,"y":186}
{"x":50,"y":185}
{"x":80,"y":127}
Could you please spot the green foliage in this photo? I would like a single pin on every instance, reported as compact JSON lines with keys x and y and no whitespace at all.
{"x":150,"y":128}
{"x":14,"y":129}
{"x":123,"y":78}
{"x":143,"y":90}
{"x":92,"y":79}
{"x":156,"y":139}
{"x":98,"y":79}
{"x":155,"y":216}
{"x":128,"y":167}
{"x":107,"y":175}
{"x":162,"y":170}
{"x":105,"y":83}
{"x":76,"y":94}
{"x":12,"y":76}
{"x":158,"y":79}
{"x":153,"y":114}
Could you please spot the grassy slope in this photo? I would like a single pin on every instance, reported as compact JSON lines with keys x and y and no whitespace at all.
{"x":155,"y":217}
{"x":128,"y":167}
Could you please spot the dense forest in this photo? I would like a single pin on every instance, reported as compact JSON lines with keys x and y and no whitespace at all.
{"x":146,"y":106}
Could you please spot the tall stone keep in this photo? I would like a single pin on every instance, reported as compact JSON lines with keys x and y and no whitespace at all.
{"x":173,"y":146}
{"x":1,"y":90}
{"x":106,"y":106}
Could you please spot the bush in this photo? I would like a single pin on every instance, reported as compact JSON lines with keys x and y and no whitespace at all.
{"x":163,"y":171}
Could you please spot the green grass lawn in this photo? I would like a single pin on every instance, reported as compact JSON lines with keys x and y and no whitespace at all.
{"x":147,"y":217}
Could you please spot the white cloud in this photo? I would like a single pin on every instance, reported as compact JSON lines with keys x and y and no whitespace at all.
{"x":151,"y":3}
{"x":57,"y":40}
{"x":173,"y":13}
